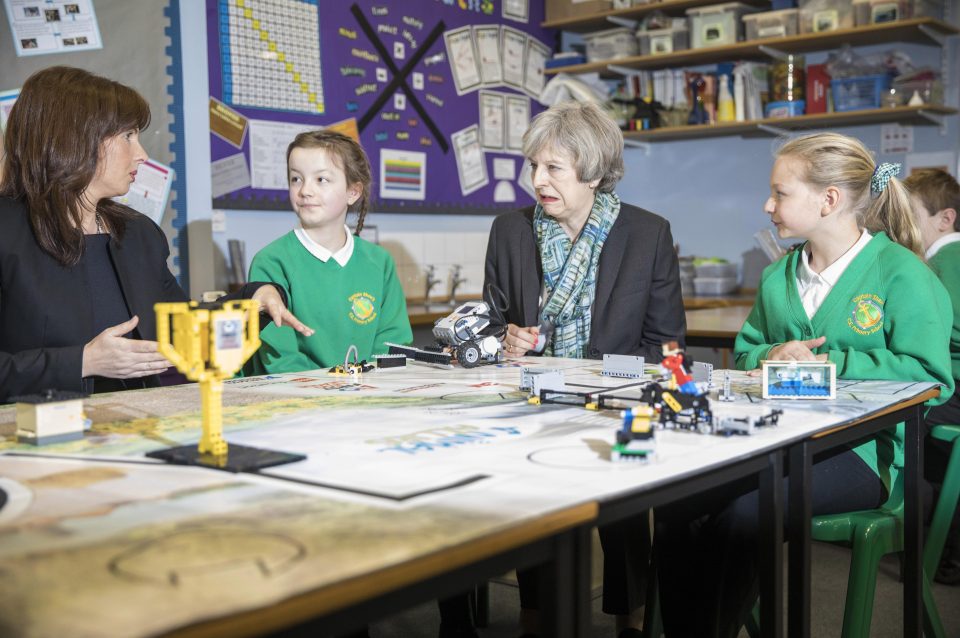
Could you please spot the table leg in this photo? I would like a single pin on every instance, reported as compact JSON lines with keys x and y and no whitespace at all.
{"x":771,"y":547}
{"x":565,"y":586}
{"x":799,"y":512}
{"x":913,"y":524}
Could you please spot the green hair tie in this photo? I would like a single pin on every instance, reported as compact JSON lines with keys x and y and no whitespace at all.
{"x":881,"y":176}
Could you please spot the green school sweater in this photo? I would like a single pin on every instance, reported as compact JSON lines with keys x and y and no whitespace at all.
{"x":946,"y":263}
{"x":359,"y":304}
{"x":888,"y":317}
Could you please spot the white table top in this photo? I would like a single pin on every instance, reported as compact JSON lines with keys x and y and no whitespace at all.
{"x":398,"y":452}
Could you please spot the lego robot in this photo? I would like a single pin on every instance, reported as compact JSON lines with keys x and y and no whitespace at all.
{"x":635,"y":439}
{"x":470,"y":333}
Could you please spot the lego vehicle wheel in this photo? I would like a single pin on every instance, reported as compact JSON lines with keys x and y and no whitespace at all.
{"x":468,"y":354}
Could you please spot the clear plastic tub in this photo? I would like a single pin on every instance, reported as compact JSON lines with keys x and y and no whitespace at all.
{"x":657,"y":41}
{"x":890,"y":10}
{"x":714,"y":285}
{"x":717,"y":270}
{"x":771,"y":24}
{"x":610,"y":44}
{"x":717,"y":25}
{"x":927,"y":9}
{"x":825,"y":15}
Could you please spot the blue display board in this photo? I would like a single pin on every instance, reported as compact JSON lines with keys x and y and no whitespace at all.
{"x":439,"y":92}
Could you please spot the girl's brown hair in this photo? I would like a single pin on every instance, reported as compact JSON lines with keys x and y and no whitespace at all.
{"x":831,"y":159}
{"x":349,"y":156}
{"x":53,"y":144}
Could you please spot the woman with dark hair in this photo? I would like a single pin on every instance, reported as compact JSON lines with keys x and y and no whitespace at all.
{"x":80,"y":273}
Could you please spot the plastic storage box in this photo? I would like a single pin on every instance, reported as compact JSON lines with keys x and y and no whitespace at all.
{"x":771,"y":24}
{"x":825,"y":15}
{"x":714,"y":285}
{"x":610,"y":44}
{"x":927,"y":9}
{"x":785,"y":108}
{"x":657,"y":41}
{"x":717,"y":25}
{"x":716,"y":269}
{"x":864,"y":92}
{"x":879,"y":11}
{"x":861,"y":12}
{"x":887,"y":11}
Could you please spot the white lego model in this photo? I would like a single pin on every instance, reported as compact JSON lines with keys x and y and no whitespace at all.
{"x":726,"y":394}
{"x":533,"y":380}
{"x":746,"y":425}
{"x":467,"y":329}
{"x":622,"y":365}
{"x":50,"y":417}
{"x":799,"y":380}
{"x":702,"y":373}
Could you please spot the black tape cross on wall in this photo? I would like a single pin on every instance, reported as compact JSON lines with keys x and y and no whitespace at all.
{"x":399,"y":76}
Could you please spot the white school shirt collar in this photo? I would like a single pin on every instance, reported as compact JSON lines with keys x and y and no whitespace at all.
{"x":814,"y":287}
{"x":342,"y":256}
{"x":940,"y":243}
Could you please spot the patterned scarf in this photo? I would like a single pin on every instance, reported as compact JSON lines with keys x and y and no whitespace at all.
{"x":570,"y":274}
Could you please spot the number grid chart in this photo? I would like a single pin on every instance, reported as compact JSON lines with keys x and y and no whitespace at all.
{"x":270,"y":54}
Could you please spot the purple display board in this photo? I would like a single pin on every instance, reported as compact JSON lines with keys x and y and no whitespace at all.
{"x":439,"y":91}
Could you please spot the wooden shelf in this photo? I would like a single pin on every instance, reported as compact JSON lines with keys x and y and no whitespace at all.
{"x":929,"y":115}
{"x":922,"y":30}
{"x":601,"y":20}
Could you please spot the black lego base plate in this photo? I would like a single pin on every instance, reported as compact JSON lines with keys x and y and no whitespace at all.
{"x":239,"y":458}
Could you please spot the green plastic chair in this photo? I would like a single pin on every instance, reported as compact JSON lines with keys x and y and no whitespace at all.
{"x":947,"y":502}
{"x":872,"y":534}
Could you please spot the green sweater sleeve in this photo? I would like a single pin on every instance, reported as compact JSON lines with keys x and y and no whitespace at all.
{"x":917,"y":323}
{"x":395,"y":323}
{"x":751,"y":346}
{"x":279,"y":351}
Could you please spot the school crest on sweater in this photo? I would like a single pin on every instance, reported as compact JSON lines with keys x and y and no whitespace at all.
{"x":363,"y":308}
{"x":866,"y":317}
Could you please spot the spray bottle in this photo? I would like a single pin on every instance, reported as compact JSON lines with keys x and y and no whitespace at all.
{"x":725,"y":107}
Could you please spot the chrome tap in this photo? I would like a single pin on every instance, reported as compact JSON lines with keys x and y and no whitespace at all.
{"x":431,"y":281}
{"x":455,"y":281}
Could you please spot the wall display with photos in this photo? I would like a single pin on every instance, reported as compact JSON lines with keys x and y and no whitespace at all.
{"x":439,"y":92}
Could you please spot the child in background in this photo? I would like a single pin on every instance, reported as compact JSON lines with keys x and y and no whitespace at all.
{"x":936,"y":200}
{"x":857,"y":294}
{"x":347,"y":286}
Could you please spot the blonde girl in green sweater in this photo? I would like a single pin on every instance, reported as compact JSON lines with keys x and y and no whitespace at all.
{"x":855,"y":293}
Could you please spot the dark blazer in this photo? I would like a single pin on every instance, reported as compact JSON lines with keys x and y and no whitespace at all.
{"x":638,"y":305}
{"x":45,"y":312}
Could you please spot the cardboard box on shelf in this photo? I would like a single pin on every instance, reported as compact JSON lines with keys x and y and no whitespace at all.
{"x":818,"y":82}
{"x":563,"y":9}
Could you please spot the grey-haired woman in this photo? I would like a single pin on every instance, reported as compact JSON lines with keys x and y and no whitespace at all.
{"x":583,"y":275}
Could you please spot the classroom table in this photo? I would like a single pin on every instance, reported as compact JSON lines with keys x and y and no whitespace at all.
{"x":102,"y":547}
{"x":908,"y":410}
{"x":715,"y":327}
{"x":478,"y":450}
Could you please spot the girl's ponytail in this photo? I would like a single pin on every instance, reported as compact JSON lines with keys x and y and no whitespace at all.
{"x":892,"y":212}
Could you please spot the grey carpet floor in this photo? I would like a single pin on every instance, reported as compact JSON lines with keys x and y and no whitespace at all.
{"x":829,"y":575}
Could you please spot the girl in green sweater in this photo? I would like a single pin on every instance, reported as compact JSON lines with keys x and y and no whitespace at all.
{"x":857,"y":294}
{"x":346,"y":287}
